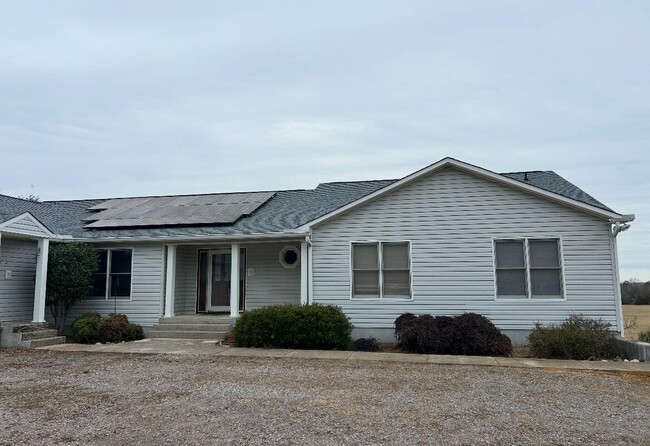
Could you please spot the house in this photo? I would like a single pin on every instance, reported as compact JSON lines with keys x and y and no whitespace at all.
{"x":519,"y":248}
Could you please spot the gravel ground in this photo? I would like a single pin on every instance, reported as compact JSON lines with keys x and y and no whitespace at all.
{"x":91,"y":398}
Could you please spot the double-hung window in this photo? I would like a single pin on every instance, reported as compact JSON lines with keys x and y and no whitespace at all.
{"x":528,"y":268}
{"x":381,"y":270}
{"x":113,"y":278}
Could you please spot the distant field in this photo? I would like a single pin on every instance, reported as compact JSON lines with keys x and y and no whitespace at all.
{"x":642,"y":313}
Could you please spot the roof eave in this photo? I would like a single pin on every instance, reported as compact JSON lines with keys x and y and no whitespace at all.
{"x":172,"y":239}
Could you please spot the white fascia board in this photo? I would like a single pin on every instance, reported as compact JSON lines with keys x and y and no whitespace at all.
{"x":470,"y":168}
{"x":41,"y":226}
{"x":274,"y":236}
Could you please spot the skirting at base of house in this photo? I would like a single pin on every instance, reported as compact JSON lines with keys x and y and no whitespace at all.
{"x":518,"y":337}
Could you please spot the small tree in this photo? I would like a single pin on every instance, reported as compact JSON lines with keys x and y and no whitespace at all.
{"x":69,"y":278}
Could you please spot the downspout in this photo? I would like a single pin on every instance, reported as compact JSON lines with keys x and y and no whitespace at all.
{"x":618,"y":225}
{"x":310,"y":272}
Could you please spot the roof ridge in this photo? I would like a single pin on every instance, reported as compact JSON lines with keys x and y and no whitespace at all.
{"x":358,"y":181}
{"x":527,"y":171}
{"x":163,"y":196}
{"x":24,"y":200}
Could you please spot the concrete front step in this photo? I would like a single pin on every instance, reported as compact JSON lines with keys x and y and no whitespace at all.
{"x":40,"y":334}
{"x":211,"y":335}
{"x":192,"y":327}
{"x":196,"y":319}
{"x":46,"y":341}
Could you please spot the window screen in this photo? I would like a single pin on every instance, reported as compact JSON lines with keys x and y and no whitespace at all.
{"x":385,"y":263}
{"x":365,"y":269}
{"x":120,"y":273}
{"x":99,"y":278}
{"x":510,"y":268}
{"x":396,"y":270}
{"x":528,"y":268}
{"x":545,"y":272}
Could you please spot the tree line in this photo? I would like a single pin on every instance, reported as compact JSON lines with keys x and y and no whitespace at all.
{"x":634,"y":292}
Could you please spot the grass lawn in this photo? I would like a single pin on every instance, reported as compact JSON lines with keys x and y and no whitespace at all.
{"x":642,"y":315}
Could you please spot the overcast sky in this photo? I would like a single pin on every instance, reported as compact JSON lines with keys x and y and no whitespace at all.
{"x":105,"y":99}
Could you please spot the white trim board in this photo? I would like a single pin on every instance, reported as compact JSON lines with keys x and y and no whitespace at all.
{"x":475,"y":170}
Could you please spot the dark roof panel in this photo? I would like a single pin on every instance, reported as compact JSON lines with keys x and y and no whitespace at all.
{"x":183,"y":210}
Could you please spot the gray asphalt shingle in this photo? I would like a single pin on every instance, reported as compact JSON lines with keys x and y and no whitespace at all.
{"x":286,"y":210}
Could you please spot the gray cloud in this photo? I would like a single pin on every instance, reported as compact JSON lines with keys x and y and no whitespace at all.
{"x":128,"y":98}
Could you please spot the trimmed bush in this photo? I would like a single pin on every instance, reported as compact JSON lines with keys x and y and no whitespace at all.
{"x":366,"y":345}
{"x":644,"y":336}
{"x":467,"y":334}
{"x":85,"y":328}
{"x":116,"y":328}
{"x":576,"y":338}
{"x":312,"y":326}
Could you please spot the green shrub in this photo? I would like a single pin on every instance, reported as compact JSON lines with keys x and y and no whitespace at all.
{"x":466,"y":334}
{"x":116,"y":328}
{"x":576,"y":338}
{"x":294,"y":326}
{"x":366,"y":345}
{"x":85,"y":328}
{"x":644,"y":336}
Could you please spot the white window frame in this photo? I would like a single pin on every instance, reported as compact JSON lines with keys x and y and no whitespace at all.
{"x":380,"y":253}
{"x":107,"y":293}
{"x":529,"y":294}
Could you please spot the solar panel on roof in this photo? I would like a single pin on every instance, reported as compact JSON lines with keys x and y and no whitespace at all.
{"x":176,"y":211}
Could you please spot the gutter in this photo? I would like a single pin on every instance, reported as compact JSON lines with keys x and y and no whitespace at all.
{"x":185,"y":238}
{"x":620,"y":224}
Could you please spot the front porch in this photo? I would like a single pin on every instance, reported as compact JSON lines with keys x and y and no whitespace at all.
{"x":200,"y":279}
{"x":24,"y":247}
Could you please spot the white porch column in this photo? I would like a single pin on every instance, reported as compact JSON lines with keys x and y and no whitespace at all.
{"x":303,"y":274}
{"x":41,"y":280}
{"x":234,"y":280}
{"x":170,"y":282}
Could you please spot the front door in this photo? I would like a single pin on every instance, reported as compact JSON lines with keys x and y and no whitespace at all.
{"x":213,"y":291}
{"x":219,"y":282}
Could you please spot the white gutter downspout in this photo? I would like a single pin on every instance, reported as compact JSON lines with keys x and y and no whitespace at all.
{"x":619,"y":225}
{"x":310,"y":275}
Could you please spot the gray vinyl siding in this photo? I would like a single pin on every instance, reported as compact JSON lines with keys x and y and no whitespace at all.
{"x":26,"y":226}
{"x":186,"y":274}
{"x":17,"y":293}
{"x":144,"y":307}
{"x":271,"y":284}
{"x":451,"y":218}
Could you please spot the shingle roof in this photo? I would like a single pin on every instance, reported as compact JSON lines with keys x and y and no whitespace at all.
{"x":286,"y":210}
{"x":552,"y":182}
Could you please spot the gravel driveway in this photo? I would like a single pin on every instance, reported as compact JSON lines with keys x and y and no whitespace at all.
{"x":98,"y":398}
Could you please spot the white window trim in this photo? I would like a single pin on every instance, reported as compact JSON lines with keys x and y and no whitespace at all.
{"x":529,"y":297}
{"x":107,"y":296}
{"x":380,"y":253}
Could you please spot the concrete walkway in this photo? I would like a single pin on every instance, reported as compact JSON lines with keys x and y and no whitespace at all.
{"x":193,"y":347}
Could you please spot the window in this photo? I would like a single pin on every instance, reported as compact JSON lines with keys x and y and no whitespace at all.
{"x":289,"y":257}
{"x":381,"y":270}
{"x":113,"y":279}
{"x":528,"y":268}
{"x":99,"y":278}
